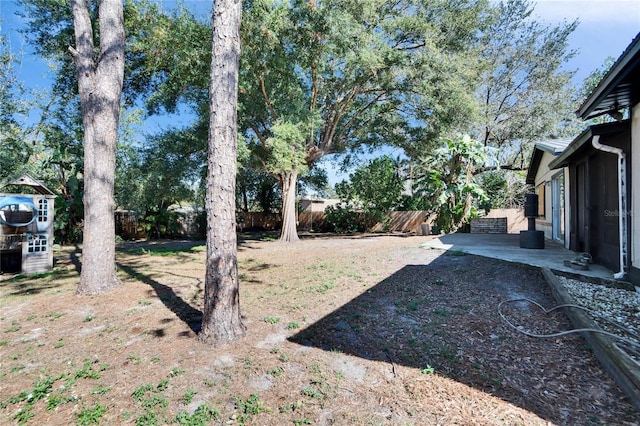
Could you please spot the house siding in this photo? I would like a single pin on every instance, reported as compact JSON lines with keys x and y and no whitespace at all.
{"x":37,"y":262}
{"x":543,"y":180}
{"x":594,"y":196}
{"x":568,"y":207}
{"x":635,"y":196}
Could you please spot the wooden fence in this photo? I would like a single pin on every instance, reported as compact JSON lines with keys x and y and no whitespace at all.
{"x":258,"y":221}
{"x":408,"y":221}
{"x":404,"y":222}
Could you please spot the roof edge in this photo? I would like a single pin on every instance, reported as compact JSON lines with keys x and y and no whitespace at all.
{"x":26,"y":180}
{"x":609,"y":81}
{"x":584,"y":137}
{"x":575,"y":145}
{"x":534,"y":165}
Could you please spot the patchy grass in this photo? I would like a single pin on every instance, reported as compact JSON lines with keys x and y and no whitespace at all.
{"x":356,"y":331}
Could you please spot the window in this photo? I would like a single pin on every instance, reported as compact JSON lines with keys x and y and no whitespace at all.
{"x":43,"y":210}
{"x":37,"y":244}
{"x":541,"y":200}
{"x":557,"y":206}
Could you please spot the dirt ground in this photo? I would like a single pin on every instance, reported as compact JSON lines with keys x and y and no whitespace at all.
{"x":367,"y":330}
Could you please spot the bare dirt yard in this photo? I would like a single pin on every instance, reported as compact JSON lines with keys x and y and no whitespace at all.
{"x":367,"y":330}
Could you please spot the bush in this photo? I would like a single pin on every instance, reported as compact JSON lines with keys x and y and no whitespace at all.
{"x":342,"y":219}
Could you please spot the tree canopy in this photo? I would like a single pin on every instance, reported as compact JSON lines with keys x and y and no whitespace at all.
{"x":318,"y":78}
{"x":378,"y":185}
{"x":347,"y":74}
{"x":373,"y":190}
{"x":524,"y":94}
{"x":15,"y":149}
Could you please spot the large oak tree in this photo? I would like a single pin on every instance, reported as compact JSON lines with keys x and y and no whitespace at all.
{"x":361,"y":73}
{"x":323,"y":77}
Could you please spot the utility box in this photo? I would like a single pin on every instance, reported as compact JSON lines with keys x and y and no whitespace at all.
{"x":531,"y":239}
{"x":531,"y":206}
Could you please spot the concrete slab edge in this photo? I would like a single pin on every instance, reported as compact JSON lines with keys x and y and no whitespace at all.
{"x":612,"y":359}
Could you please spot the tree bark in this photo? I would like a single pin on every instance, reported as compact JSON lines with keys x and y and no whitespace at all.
{"x":289,"y":232}
{"x":100,"y":86}
{"x":222,"y":322}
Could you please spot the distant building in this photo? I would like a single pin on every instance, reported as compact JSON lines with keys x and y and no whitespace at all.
{"x":316,"y":205}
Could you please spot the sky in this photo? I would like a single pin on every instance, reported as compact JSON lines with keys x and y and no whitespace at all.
{"x":606,"y":28}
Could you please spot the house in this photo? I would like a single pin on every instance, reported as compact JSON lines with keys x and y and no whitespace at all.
{"x":603,"y":169}
{"x":26,"y":226}
{"x":550,"y":188}
{"x":316,"y":204}
{"x":594,"y":192}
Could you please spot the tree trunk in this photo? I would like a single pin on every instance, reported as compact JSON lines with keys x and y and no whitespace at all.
{"x":100,"y":87}
{"x":289,"y":232}
{"x":221,"y":322}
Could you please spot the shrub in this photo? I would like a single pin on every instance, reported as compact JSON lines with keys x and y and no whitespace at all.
{"x":343,"y":220}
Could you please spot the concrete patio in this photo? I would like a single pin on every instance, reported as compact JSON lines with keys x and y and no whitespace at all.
{"x":507,"y":247}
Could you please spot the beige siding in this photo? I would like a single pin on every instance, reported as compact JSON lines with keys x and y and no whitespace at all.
{"x":544,"y":191}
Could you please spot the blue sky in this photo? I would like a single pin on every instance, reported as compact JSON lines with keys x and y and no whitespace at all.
{"x":606,"y":28}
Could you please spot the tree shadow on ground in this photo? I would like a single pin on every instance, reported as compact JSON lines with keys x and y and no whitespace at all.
{"x":160,"y":247}
{"x":28,"y":285}
{"x":443,"y":318}
{"x":19,"y":284}
{"x":183,"y":310}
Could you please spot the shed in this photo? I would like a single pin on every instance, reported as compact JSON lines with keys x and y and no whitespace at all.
{"x":26,"y":226}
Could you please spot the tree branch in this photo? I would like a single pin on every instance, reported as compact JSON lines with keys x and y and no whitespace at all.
{"x":263,"y":88}
{"x":510,"y":167}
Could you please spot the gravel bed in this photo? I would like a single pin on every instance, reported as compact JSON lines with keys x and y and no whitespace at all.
{"x":615,"y":310}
